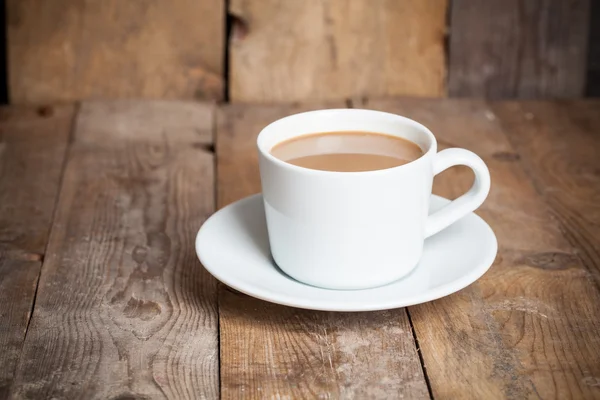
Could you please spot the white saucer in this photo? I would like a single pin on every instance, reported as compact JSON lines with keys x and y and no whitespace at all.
{"x":233,"y":246}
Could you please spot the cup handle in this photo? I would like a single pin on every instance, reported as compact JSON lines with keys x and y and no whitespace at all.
{"x":469,"y":201}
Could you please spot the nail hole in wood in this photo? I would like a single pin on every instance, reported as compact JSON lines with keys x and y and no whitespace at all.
{"x":204,"y":146}
{"x":506,"y":156}
{"x":239,"y":27}
{"x":45,"y":111}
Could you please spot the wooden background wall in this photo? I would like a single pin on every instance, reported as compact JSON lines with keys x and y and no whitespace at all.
{"x":271,"y":51}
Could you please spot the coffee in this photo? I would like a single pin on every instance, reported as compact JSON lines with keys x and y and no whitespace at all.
{"x":347,"y":151}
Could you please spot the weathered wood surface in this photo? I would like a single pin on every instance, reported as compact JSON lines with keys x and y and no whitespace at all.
{"x":33,"y":143}
{"x":518,"y":48}
{"x":529,"y":327}
{"x":283,"y":51}
{"x":560,"y":143}
{"x":124,"y":310}
{"x":272,"y":351}
{"x":77,"y":49}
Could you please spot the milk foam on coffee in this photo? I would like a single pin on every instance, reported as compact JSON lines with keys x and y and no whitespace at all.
{"x":347,"y":151}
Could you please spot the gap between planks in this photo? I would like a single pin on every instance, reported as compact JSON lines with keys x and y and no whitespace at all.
{"x":418,"y":347}
{"x":70,"y":139}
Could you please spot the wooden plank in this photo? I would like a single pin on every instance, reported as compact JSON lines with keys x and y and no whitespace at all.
{"x":282,"y":51}
{"x":518,"y":48}
{"x":272,"y":351}
{"x":157,"y":121}
{"x":528,"y":328}
{"x":124,"y":309}
{"x":77,"y":49}
{"x":33,"y":143}
{"x":561,"y":148}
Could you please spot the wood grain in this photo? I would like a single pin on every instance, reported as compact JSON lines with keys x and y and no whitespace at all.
{"x":518,"y":48}
{"x":77,"y":49}
{"x":170,"y":121}
{"x":124,"y":310}
{"x":33,"y":143}
{"x":272,"y":351}
{"x":561,"y":148}
{"x":282,"y":51}
{"x":529,"y":327}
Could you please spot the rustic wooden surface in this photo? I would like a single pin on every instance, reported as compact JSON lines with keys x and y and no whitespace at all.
{"x":124,"y":310}
{"x":529,"y":320}
{"x":112,"y":48}
{"x":33,"y":143}
{"x":561,"y":142}
{"x":282,"y":51}
{"x":518,"y":48}
{"x":272,"y":351}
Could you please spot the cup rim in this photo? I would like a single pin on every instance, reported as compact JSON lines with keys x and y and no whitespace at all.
{"x":420,"y":127}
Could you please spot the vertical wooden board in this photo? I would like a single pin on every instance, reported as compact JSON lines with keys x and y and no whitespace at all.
{"x":272,"y":351}
{"x":561,"y":148}
{"x":283,"y":51}
{"x":518,"y":48}
{"x":33,"y":143}
{"x":528,"y":327}
{"x":124,"y":309}
{"x":77,"y":49}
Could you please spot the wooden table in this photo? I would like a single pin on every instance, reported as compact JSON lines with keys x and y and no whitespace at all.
{"x":101,"y":294}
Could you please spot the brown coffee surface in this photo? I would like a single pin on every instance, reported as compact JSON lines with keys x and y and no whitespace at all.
{"x":347,"y":151}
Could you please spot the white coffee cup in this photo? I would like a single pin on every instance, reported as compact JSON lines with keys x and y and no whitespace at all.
{"x":355,"y":230}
